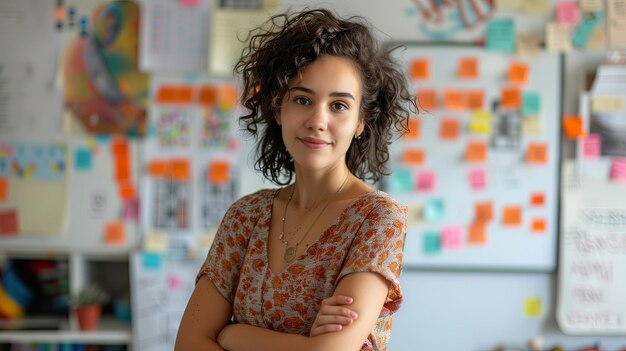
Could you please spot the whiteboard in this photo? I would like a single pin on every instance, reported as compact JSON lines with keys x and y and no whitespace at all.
{"x":442,"y":214}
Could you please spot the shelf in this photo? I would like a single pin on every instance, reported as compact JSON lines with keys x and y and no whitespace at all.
{"x":110,"y":332}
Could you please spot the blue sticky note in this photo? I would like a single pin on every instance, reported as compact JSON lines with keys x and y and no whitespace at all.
{"x":151,"y":260}
{"x":83,"y":159}
{"x":585,"y":28}
{"x":401,"y":181}
{"x":431,"y":243}
{"x":531,"y":103}
{"x":103,"y":139}
{"x":434,"y":210}
{"x":4,"y":166}
{"x":500,"y":35}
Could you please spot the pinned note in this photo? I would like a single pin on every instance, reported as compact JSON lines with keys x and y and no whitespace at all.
{"x":533,"y":307}
{"x":480,"y":122}
{"x":511,"y":98}
{"x":413,"y":157}
{"x":483,"y":211}
{"x":427,"y":99}
{"x":156,"y":241}
{"x":538,"y":7}
{"x":477,"y":233}
{"x":174,"y":94}
{"x":586,"y":29}
{"x":414,"y":129}
{"x":592,"y":146}
{"x":4,"y":189}
{"x":531,"y":103}
{"x":208,"y":95}
{"x":468,"y":68}
{"x":607,"y":104}
{"x":401,"y":181}
{"x":227,"y":97}
{"x":449,"y":128}
{"x":121,"y":159}
{"x":158,"y":168}
{"x":618,"y":169}
{"x":130,"y":209}
{"x":218,"y":172}
{"x":538,"y":226}
{"x":529,"y":44}
{"x":431,"y":242}
{"x":508,"y":5}
{"x":591,"y":5}
{"x":180,"y":169}
{"x":567,"y":12}
{"x":451,"y":237}
{"x":476,"y":151}
{"x":531,"y":125}
{"x":420,"y":69}
{"x":477,"y":179}
{"x":82,"y":159}
{"x":558,"y":37}
{"x":537,"y":153}
{"x":537,"y":199}
{"x":434,"y":210}
{"x":114,"y":233}
{"x":126,"y":190}
{"x":8,"y":222}
{"x":501,"y":35}
{"x":151,"y":260}
{"x":454,"y":99}
{"x":426,"y":181}
{"x":475,"y":99}
{"x":512,"y":216}
{"x":518,"y":72}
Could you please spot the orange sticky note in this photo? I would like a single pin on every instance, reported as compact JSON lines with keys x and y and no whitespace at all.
{"x":454,"y":99}
{"x":114,"y":233}
{"x":175,"y":94}
{"x":122,"y":168}
{"x":468,"y":68}
{"x":218,"y":172}
{"x":518,"y":73}
{"x":538,"y":226}
{"x":449,"y":128}
{"x":158,"y":168}
{"x":476,"y":151}
{"x":511,"y":98}
{"x":4,"y":189}
{"x":413,"y":157}
{"x":537,"y":153}
{"x":227,"y":97}
{"x":573,"y":127}
{"x":414,"y":129}
{"x":208,"y":95}
{"x":119,"y":146}
{"x":512,"y":216}
{"x":475,"y":99}
{"x":483,"y":211}
{"x":180,"y":169}
{"x":420,"y":69}
{"x":477,"y":233}
{"x":537,"y":199}
{"x":427,"y":99}
{"x":127,"y":191}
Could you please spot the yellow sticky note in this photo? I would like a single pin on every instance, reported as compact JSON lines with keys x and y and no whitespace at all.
{"x":155,"y":241}
{"x":480,"y":122}
{"x":606,"y":103}
{"x":536,"y":6}
{"x":531,"y":125}
{"x":533,"y":307}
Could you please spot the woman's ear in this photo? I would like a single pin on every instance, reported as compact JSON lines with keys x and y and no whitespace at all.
{"x":277,"y":117}
{"x":360,"y":127}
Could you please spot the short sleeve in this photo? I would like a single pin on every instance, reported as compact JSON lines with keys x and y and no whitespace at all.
{"x":223,"y":262}
{"x":378,"y":247}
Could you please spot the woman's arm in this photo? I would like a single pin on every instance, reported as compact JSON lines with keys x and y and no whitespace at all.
{"x":205,"y":316}
{"x":368,"y":290}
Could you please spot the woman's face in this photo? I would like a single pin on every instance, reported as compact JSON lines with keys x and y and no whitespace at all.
{"x":320,"y":113}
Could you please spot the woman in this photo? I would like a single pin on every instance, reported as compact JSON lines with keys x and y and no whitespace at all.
{"x":313,"y":265}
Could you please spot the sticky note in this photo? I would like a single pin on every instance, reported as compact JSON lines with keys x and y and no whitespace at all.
{"x":114,"y":233}
{"x":401,"y":181}
{"x":226,"y":97}
{"x":558,"y":37}
{"x":475,"y":99}
{"x":454,"y":99}
{"x":476,"y":151}
{"x":208,"y":95}
{"x":426,"y":181}
{"x":537,"y":199}
{"x":433,"y":210}
{"x":8,"y":222}
{"x":477,"y":179}
{"x":121,"y":168}
{"x":82,"y":159}
{"x":431,"y":242}
{"x":174,"y":282}
{"x":174,"y":94}
{"x":4,"y":189}
{"x":451,"y":237}
{"x":151,"y":260}
{"x":606,"y":104}
{"x":586,"y":29}
{"x":130,"y":209}
{"x":512,"y":216}
{"x":119,"y":146}
{"x":477,"y":233}
{"x":468,"y":68}
{"x":533,"y":307}
{"x":537,"y":153}
{"x":573,"y":127}
{"x":158,"y":168}
{"x":591,"y":146}
{"x":567,"y":12}
{"x":511,"y":97}
{"x":618,"y":169}
{"x":480,"y":122}
{"x":538,"y":7}
{"x":483,"y":211}
{"x":531,"y":103}
{"x":413,"y":157}
{"x":449,"y":128}
{"x":500,"y":35}
{"x":529,"y":44}
{"x":420,"y":69}
{"x":189,"y":3}
{"x":180,"y":169}
{"x":508,"y":5}
{"x":518,"y":73}
{"x":126,"y":190}
{"x":218,"y":172}
{"x":414,"y":129}
{"x":155,"y":241}
{"x":531,"y":126}
{"x":590,"y":5}
{"x":427,"y":99}
{"x":538,"y":225}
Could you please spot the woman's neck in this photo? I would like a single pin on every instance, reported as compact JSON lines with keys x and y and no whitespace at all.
{"x":311,"y":191}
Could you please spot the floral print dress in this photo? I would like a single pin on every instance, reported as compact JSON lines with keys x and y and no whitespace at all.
{"x":368,"y":236}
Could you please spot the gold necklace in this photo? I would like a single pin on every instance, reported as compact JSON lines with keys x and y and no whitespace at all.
{"x":290,"y":251}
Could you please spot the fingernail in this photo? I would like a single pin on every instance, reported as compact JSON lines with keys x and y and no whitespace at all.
{"x":353,"y":314}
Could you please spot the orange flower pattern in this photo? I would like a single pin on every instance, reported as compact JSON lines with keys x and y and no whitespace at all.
{"x":368,"y":236}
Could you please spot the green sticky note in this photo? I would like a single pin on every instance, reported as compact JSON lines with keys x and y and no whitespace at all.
{"x":151,"y":261}
{"x":82,"y":159}
{"x":531,"y":103}
{"x":585,"y":28}
{"x":401,"y":181}
{"x":500,"y":35}
{"x":431,"y":242}
{"x":434,"y":210}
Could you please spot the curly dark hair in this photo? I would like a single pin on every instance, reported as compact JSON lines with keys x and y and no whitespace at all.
{"x":287,"y":43}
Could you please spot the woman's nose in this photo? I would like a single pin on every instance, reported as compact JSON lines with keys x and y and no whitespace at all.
{"x":318,"y":118}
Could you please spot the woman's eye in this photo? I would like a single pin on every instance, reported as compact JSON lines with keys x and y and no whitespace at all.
{"x":339,"y":106}
{"x":301,"y":101}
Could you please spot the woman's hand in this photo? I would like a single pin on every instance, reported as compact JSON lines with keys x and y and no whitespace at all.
{"x":333,"y":315}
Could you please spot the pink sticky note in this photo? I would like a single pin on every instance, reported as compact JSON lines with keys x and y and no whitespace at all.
{"x":426,"y":181}
{"x":189,"y":3}
{"x":567,"y":12}
{"x":477,"y":179}
{"x":130,"y":209}
{"x":592,"y":144}
{"x":451,"y":237}
{"x":174,"y":282}
{"x":618,"y":169}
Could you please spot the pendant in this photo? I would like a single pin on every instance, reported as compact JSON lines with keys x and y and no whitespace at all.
{"x":290,"y":253}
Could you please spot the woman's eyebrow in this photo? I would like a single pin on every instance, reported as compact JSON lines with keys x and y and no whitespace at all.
{"x":334,"y":94}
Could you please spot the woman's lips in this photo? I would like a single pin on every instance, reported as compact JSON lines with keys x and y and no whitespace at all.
{"x":314,"y":143}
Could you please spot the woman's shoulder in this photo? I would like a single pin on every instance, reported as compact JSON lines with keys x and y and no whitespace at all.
{"x":256,"y":199}
{"x":380,"y":201}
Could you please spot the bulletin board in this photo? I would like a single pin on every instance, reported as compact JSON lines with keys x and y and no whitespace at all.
{"x":479,"y":168}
